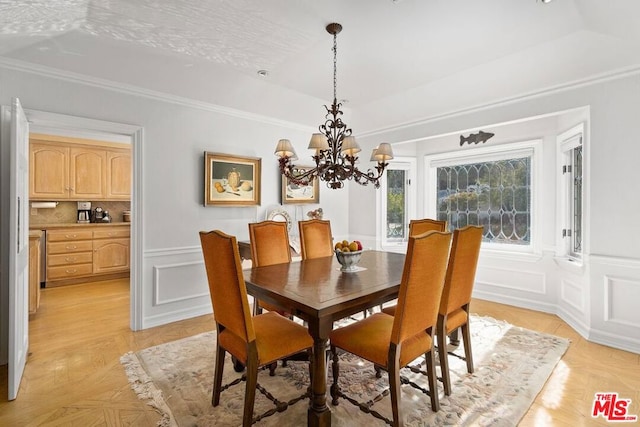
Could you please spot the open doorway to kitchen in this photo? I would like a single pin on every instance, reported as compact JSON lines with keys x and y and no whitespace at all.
{"x":125,"y":289}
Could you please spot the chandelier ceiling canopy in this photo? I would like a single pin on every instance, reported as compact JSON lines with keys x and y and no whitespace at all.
{"x":336,"y":149}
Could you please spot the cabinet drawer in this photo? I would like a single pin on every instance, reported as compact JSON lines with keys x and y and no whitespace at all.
{"x":69,"y":258}
{"x":69,"y":247}
{"x":69,"y":271}
{"x":111,"y":232}
{"x":68,"y":235}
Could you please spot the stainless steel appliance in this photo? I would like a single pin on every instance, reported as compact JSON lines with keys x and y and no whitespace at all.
{"x":84,"y":212}
{"x":98,"y":214}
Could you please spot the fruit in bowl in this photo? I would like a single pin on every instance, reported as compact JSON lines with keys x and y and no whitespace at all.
{"x":348,"y":254}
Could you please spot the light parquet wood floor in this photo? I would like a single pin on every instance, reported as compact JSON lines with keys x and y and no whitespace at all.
{"x":74,"y":377}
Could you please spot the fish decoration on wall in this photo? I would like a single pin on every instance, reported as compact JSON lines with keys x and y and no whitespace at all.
{"x":475,"y":138}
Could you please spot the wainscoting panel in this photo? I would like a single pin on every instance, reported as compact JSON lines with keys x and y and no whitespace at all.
{"x":572,"y":294}
{"x":511,"y":279}
{"x":617,"y":294}
{"x":179,"y":282}
{"x":175,"y":285}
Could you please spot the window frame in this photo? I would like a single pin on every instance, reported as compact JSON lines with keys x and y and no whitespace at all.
{"x":530,"y":148}
{"x":410,"y":165}
{"x":566,"y":143}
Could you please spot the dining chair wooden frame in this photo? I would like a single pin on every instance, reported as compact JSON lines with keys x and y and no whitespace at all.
{"x":316,"y":240}
{"x":255,"y":341}
{"x":392,"y":342}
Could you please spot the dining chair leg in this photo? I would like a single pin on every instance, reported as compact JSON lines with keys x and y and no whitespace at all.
{"x":433,"y":382}
{"x":217,"y":376}
{"x":335,"y":388}
{"x":444,"y":362}
{"x":393,"y":372}
{"x":466,"y":337}
{"x":250,"y":391}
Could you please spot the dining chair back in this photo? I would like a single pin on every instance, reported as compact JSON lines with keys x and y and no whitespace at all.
{"x":392,"y":342}
{"x":316,"y":240}
{"x":419,"y":226}
{"x":269,"y":245}
{"x":456,"y":296}
{"x":253,"y":341}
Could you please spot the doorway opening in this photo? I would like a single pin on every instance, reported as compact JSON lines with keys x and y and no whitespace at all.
{"x":90,"y":129}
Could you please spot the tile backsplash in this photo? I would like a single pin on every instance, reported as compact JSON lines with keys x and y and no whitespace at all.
{"x":67,"y":212}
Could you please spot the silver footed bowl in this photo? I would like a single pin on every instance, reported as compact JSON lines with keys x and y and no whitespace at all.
{"x":348,"y":260}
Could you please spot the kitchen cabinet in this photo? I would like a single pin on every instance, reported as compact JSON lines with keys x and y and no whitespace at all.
{"x":48,"y":171}
{"x":87,"y":173}
{"x":77,"y":254}
{"x":63,"y":168}
{"x":69,"y":254}
{"x":119,"y":174}
{"x":111,"y":250}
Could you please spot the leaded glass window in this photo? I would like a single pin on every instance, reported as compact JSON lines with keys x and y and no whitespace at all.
{"x":495,"y":194}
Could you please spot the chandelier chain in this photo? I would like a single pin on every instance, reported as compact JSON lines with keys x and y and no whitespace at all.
{"x":335,"y":67}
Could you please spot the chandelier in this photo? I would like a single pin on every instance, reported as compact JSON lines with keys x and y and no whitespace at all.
{"x":335,"y":147}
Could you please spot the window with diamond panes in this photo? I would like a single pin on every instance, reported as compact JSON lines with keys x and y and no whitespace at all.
{"x":494,"y":194}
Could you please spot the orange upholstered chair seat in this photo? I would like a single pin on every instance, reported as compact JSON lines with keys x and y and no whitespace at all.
{"x":275,"y":339}
{"x":370,"y":340}
{"x":455,"y":319}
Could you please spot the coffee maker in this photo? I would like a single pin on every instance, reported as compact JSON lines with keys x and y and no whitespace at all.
{"x":84,"y":212}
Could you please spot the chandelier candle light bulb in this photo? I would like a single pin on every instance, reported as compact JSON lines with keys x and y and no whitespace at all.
{"x":335,"y":147}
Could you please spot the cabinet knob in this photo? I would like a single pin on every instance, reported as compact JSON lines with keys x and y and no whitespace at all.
{"x":71,"y":270}
{"x":71,"y":247}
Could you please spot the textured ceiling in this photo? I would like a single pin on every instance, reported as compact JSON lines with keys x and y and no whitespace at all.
{"x":397,"y":56}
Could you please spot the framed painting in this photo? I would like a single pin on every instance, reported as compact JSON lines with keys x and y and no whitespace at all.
{"x":297,"y":194}
{"x":231,"y":180}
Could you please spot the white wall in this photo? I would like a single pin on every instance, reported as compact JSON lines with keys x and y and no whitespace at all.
{"x":176,"y":134}
{"x":598,"y":299}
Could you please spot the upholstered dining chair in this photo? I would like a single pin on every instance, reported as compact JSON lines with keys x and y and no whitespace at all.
{"x":392,"y":342}
{"x":315,"y":238}
{"x":269,"y":245}
{"x":419,"y":226}
{"x":456,"y":297}
{"x":255,"y":341}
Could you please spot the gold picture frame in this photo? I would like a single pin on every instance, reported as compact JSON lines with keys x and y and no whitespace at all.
{"x":231,"y":180}
{"x":300,"y":194}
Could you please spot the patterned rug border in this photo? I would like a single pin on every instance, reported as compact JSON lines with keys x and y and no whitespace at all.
{"x":143,"y":385}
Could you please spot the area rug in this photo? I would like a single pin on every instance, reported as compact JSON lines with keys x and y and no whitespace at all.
{"x":512,"y":365}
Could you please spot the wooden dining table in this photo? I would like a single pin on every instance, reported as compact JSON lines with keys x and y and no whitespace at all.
{"x":316,"y":291}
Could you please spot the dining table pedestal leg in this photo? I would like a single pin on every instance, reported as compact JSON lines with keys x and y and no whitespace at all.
{"x":319,"y":413}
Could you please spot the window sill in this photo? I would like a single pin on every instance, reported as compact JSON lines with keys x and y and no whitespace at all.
{"x":570,"y":264}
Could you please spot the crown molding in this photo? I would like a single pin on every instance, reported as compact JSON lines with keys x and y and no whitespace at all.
{"x":69,"y":76}
{"x":575,"y":84}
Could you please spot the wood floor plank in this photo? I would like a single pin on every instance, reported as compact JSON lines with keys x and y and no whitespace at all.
{"x":74,"y":377}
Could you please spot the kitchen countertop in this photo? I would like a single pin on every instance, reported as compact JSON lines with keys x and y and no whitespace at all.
{"x":75,"y":224}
